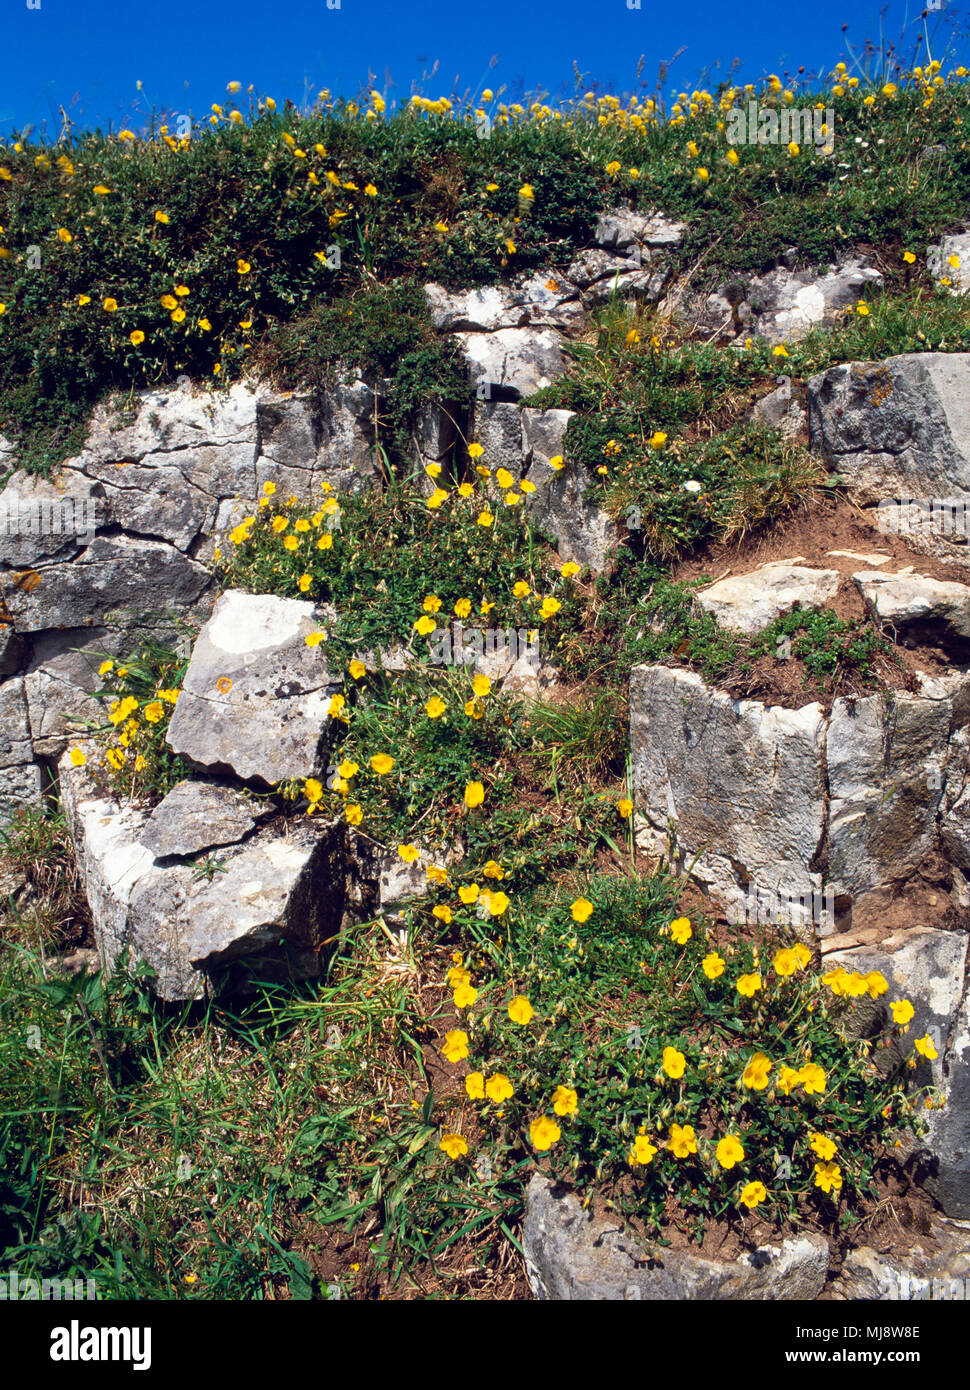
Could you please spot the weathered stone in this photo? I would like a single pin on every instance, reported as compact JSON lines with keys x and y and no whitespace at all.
{"x":196,"y":816}
{"x":20,"y":787}
{"x":41,"y":520}
{"x":571,"y":1256}
{"x":435,"y":434}
{"x":750,"y":602}
{"x":497,"y":426}
{"x":921,"y":1273}
{"x":15,"y":746}
{"x":538,"y":301}
{"x":622,"y":228}
{"x":938,"y":258}
{"x":943,"y":1164}
{"x":885,"y":762}
{"x":742,"y":783}
{"x":583,"y":532}
{"x":898,"y":428}
{"x":517,"y":361}
{"x":170,"y":420}
{"x":785,"y":305}
{"x":11,"y":650}
{"x":255,"y":697}
{"x":922,"y":965}
{"x":154,"y":500}
{"x":928,"y":610}
{"x":272,"y":892}
{"x":114,"y":574}
{"x":321,"y":436}
{"x":782,"y":411}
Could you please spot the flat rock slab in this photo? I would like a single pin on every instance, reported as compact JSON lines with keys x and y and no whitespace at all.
{"x":196,"y":816}
{"x":255,"y":697}
{"x":936,"y":608}
{"x":749,"y":602}
{"x":570,"y":1256}
{"x":943,"y":1273}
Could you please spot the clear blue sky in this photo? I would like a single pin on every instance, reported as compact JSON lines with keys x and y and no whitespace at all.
{"x":87,"y":55}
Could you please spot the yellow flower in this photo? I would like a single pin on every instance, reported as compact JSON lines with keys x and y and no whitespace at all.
{"x":794,"y":150}
{"x":625,"y":807}
{"x":425,"y":625}
{"x":779,"y":351}
{"x":812,"y":1078}
{"x":877,"y":983}
{"x":154,"y":711}
{"x":499,"y":1088}
{"x":474,"y":710}
{"x":581,"y":909}
{"x":83,"y":299}
{"x":729,"y":1151}
{"x":78,"y":759}
{"x":291,"y":543}
{"x":823,"y":1146}
{"x":105,"y":667}
{"x":64,"y":235}
{"x":549,"y":608}
{"x":680,"y":930}
{"x":485,"y":518}
{"x":161,"y":217}
{"x":313,"y":790}
{"x":370,"y":190}
{"x":732,"y":157}
{"x":136,"y":337}
{"x":243,"y":267}
{"x":924,"y":1046}
{"x":504,"y":478}
{"x":520,"y":1010}
{"x":182,"y":291}
{"x":481,"y":686}
{"x":682,"y":1141}
{"x":902,"y":1012}
{"x":115,"y":758}
{"x":354,"y":814}
{"x":674,"y":1063}
{"x":357,"y":670}
{"x":454,"y":1146}
{"x":110,"y":305}
{"x":788,"y":1078}
{"x":455,"y":1047}
{"x":463,"y":607}
{"x":569,"y":569}
{"x":909,"y":258}
{"x":748,"y":985}
{"x":437,"y":497}
{"x":475,"y":1085}
{"x":381,"y":763}
{"x":408,"y":853}
{"x":556,"y":462}
{"x":468,"y":893}
{"x":543,"y":1133}
{"x":785,"y":963}
{"x":464,"y":996}
{"x":565,"y":1101}
{"x":497,"y":903}
{"x":493,"y":870}
{"x":755,"y":1076}
{"x":314,"y":639}
{"x":827,"y":1176}
{"x":325,"y":542}
{"x":702,"y":175}
{"x":526,"y":192}
{"x":752,"y":1194}
{"x":643,"y":1151}
{"x":712,"y":965}
{"x":435,"y":707}
{"x":205,"y":325}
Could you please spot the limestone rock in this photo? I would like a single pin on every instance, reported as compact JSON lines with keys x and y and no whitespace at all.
{"x":742,"y":782}
{"x":255,"y":697}
{"x":570,"y":1256}
{"x":513,"y":361}
{"x":276,"y":899}
{"x":897,"y":428}
{"x":197,"y":816}
{"x":750,"y":602}
{"x":115,"y":575}
{"x":932,"y":610}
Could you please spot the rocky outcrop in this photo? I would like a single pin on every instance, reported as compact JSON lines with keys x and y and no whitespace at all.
{"x":791,"y":801}
{"x":571,"y":1256}
{"x":255,"y":698}
{"x":157,"y":892}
